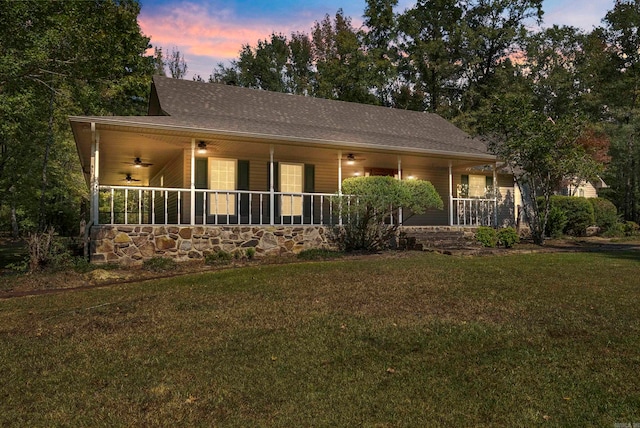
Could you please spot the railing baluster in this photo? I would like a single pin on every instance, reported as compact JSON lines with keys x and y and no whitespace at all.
{"x":112,"y":198}
{"x":179,"y":207}
{"x":204,"y":207}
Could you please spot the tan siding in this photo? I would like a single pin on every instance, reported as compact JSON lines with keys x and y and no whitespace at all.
{"x":440,"y":180}
{"x":507,"y":200}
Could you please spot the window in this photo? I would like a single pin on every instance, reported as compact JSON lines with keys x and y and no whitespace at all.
{"x":222,"y":177}
{"x":475,"y":186}
{"x":291,"y":182}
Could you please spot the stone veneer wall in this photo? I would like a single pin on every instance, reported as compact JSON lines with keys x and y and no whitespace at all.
{"x":134,"y":244}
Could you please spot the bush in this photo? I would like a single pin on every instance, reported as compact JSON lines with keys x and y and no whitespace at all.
{"x":218,"y":258}
{"x":370,"y":204}
{"x":507,"y":237}
{"x":618,"y":230}
{"x":556,"y":222}
{"x":604,"y":212}
{"x":487,"y":236}
{"x":631,"y":228}
{"x":159,"y":264}
{"x":577,"y":211}
{"x":250,"y":252}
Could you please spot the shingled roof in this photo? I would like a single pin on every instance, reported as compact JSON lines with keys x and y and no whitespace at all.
{"x":232,"y":109}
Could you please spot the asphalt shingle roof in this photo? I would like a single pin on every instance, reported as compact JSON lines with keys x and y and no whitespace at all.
{"x":241,"y":110}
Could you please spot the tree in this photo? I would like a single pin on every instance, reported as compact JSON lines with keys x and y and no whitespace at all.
{"x":370,"y":204}
{"x":620,"y":93}
{"x":540,"y":151}
{"x":176,"y":64}
{"x":49,"y":69}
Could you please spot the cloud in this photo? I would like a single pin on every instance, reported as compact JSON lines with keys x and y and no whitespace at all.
{"x":202,"y":31}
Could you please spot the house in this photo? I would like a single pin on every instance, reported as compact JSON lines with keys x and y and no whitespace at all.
{"x":214,"y":167}
{"x":583,"y":188}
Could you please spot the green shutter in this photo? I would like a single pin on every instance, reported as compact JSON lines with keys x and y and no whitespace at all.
{"x":489,"y":182}
{"x":201,"y":173}
{"x":464,"y":179}
{"x":200,"y":182}
{"x":243,"y":175}
{"x":309,"y":178}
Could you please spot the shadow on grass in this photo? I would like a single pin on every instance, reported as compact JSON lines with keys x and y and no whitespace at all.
{"x":11,"y":251}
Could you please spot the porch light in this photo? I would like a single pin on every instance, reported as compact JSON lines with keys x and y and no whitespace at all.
{"x":202,"y":147}
{"x":137,"y":163}
{"x":411,"y":177}
{"x":357,"y":174}
{"x":351,"y":160}
{"x":128,"y":178}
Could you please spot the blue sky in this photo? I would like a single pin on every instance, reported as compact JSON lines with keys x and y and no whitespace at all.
{"x":211,"y":31}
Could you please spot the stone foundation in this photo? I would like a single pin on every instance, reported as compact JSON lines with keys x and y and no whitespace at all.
{"x":134,"y":244}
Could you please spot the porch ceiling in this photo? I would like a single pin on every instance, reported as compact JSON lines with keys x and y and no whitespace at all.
{"x":120,"y":145}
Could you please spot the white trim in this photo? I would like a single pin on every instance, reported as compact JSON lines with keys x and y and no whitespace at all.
{"x":450,"y":195}
{"x":193,"y":182}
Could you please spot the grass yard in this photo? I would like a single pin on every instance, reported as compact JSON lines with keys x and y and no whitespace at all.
{"x":417,"y":340}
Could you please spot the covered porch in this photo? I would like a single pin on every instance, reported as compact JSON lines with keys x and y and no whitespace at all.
{"x":147,"y":175}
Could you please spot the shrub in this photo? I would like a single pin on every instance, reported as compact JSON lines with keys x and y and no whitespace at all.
{"x":507,"y":237}
{"x":617,"y":230}
{"x":159,"y":264}
{"x":487,"y":236}
{"x":556,"y":222}
{"x":578,"y":212}
{"x":218,"y":258}
{"x":250,"y":252}
{"x":631,"y":228}
{"x":604,"y":212}
{"x":370,"y":205}
{"x":319,"y":254}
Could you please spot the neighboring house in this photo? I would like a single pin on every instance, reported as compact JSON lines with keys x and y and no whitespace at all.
{"x":583,"y":188}
{"x":219,"y":167}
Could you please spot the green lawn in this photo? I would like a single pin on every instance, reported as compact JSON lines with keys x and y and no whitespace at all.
{"x":417,"y":340}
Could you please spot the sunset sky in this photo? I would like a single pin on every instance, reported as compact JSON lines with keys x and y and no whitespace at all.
{"x":207,"y":32}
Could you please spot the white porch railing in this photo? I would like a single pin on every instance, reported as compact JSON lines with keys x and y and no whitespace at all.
{"x":160,"y":205}
{"x":164,"y":206}
{"x":474,"y":211}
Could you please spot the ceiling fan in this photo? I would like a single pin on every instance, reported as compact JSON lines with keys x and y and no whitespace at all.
{"x":351,"y":159}
{"x":129,"y":179}
{"x":137,"y":163}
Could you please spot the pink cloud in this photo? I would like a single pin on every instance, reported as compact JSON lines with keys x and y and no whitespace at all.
{"x":200,"y":32}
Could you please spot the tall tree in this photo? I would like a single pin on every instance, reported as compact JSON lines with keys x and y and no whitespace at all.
{"x":176,"y":64}
{"x":621,"y":95}
{"x":49,"y":68}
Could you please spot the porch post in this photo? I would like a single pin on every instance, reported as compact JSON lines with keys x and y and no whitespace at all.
{"x":340,"y":186}
{"x":495,"y":194}
{"x":193,"y":183}
{"x":95,"y":174}
{"x":450,"y":196}
{"x":272,"y":198}
{"x":400,"y":178}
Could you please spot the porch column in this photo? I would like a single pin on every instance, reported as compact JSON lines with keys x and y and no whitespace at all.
{"x":340,"y":186}
{"x":450,"y":195}
{"x":95,"y":175}
{"x":193,"y":183}
{"x":495,"y":194}
{"x":272,"y":198}
{"x":400,"y":178}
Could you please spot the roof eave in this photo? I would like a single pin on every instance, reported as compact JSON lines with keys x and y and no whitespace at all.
{"x":106,"y":120}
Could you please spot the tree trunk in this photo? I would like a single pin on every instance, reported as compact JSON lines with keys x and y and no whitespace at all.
{"x":42,"y":215}
{"x":15,"y":231}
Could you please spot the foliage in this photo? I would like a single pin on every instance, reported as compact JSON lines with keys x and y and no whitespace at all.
{"x":250,"y":253}
{"x":319,"y":254}
{"x":631,"y":228}
{"x":50,"y":68}
{"x":579,"y":213}
{"x":218,"y":258}
{"x":556,"y":223}
{"x":487,"y":236}
{"x":604,"y":212}
{"x":159,"y":264}
{"x":372,"y":204}
{"x":508,"y":237}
